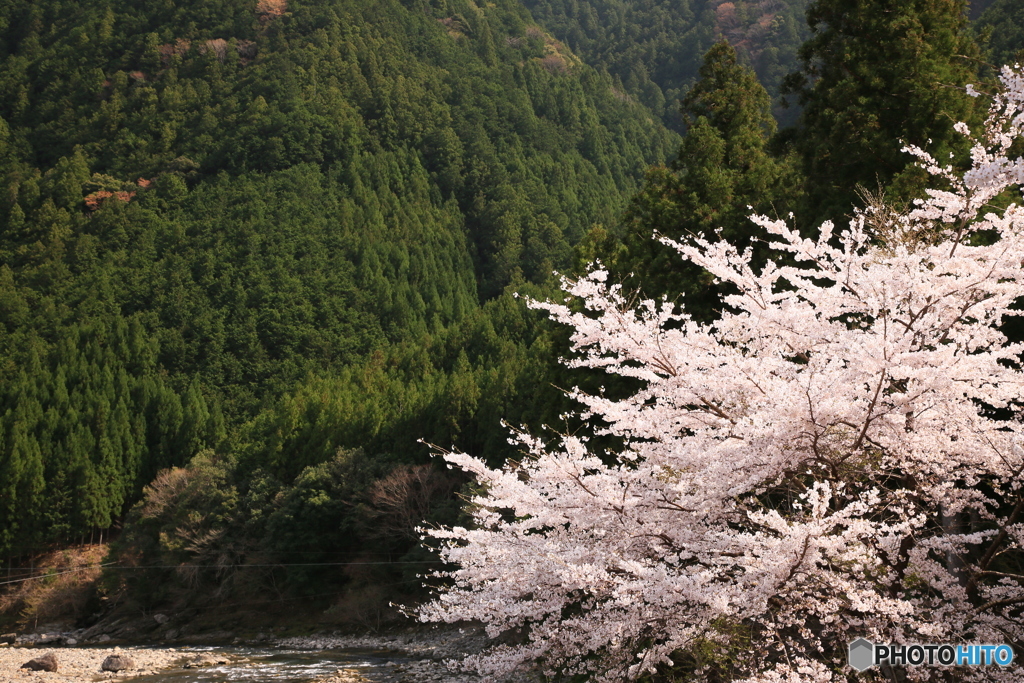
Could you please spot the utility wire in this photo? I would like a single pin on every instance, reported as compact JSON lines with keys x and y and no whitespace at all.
{"x":67,"y":571}
{"x":279,"y":564}
{"x":111,"y":565}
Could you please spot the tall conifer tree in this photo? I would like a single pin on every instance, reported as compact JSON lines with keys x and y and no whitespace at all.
{"x":875,"y":74}
{"x":723,"y":167}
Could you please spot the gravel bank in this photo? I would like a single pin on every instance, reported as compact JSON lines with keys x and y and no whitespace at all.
{"x":81,"y":665}
{"x":427,"y":649}
{"x":408,"y":656}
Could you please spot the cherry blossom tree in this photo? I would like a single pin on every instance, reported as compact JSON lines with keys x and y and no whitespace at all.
{"x":836,"y":457}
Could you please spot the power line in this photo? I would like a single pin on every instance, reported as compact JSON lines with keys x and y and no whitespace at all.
{"x":111,"y":565}
{"x":48,"y":575}
{"x":278,"y":564}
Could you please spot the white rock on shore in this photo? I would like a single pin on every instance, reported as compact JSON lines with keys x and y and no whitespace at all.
{"x":82,"y":665}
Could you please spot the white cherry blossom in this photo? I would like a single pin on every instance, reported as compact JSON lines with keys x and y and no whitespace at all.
{"x":822,"y":463}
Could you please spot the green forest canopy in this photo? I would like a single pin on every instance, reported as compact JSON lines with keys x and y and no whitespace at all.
{"x":208,"y":205}
{"x":277,"y":243}
{"x":655,"y":47}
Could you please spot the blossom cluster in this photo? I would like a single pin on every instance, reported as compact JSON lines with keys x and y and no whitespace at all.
{"x":835,"y":457}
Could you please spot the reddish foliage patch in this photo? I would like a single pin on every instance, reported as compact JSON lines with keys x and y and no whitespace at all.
{"x":177,"y":48}
{"x":218,"y":46}
{"x":725,"y":16}
{"x":554,"y":64}
{"x":271,"y":8}
{"x":94,"y":200}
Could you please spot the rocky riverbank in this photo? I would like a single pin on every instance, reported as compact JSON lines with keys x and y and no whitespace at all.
{"x":83,"y":665}
{"x":413,"y":655}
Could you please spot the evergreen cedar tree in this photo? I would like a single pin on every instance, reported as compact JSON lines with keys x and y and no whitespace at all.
{"x":874,"y":71}
{"x":723,"y":171}
{"x":819,"y":464}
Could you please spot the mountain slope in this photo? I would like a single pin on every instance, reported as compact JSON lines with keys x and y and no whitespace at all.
{"x":655,"y":47}
{"x":204,"y":205}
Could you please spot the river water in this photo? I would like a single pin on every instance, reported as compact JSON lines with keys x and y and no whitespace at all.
{"x":265,"y":665}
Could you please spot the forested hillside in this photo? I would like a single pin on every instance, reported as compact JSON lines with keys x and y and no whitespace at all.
{"x":655,"y":47}
{"x":255,"y":255}
{"x":1002,"y":23}
{"x":266,"y":230}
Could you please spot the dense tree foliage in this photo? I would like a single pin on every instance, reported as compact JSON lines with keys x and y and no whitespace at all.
{"x":874,"y":72}
{"x":724,"y":167}
{"x":252,"y":252}
{"x":1003,"y":24}
{"x":654,"y":47}
{"x":212,"y":213}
